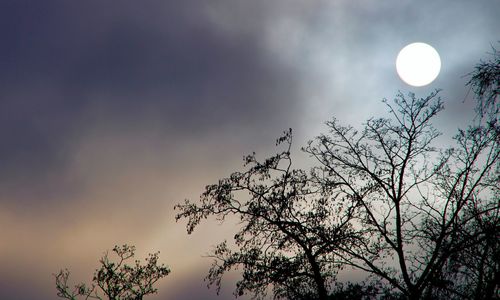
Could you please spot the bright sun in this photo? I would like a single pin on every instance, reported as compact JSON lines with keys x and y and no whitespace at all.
{"x":418,"y":64}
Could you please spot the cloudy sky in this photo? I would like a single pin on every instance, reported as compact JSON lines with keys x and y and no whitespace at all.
{"x":111,"y":112}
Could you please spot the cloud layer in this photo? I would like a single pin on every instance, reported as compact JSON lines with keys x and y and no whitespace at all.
{"x":112,"y":113}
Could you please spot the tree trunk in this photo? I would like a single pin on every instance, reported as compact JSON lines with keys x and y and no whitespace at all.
{"x":318,"y":278}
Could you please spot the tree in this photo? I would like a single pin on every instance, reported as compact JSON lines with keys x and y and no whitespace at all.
{"x":421,"y":220}
{"x":421,"y":206}
{"x":117,"y":280}
{"x":290,"y":227}
{"x":476,"y":270}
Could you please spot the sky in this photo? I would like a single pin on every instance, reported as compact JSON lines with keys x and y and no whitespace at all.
{"x":112,"y":112}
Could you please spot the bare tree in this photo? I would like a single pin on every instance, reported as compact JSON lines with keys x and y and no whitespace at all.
{"x":421,"y":220}
{"x":419,"y":203}
{"x":290,"y":226}
{"x":116,"y":280}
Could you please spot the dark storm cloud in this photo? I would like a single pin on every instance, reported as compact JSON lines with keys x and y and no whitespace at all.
{"x":103,"y":108}
{"x":65,"y":65}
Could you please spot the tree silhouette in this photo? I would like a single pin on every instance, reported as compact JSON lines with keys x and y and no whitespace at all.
{"x":290,"y":227}
{"x":475,"y":271}
{"x":117,"y":280}
{"x":421,"y":220}
{"x":420,"y":204}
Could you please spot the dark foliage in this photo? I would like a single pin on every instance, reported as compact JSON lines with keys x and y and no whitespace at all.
{"x":356,"y":291}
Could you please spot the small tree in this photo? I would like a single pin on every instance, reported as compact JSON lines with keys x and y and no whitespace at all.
{"x":116,"y":280}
